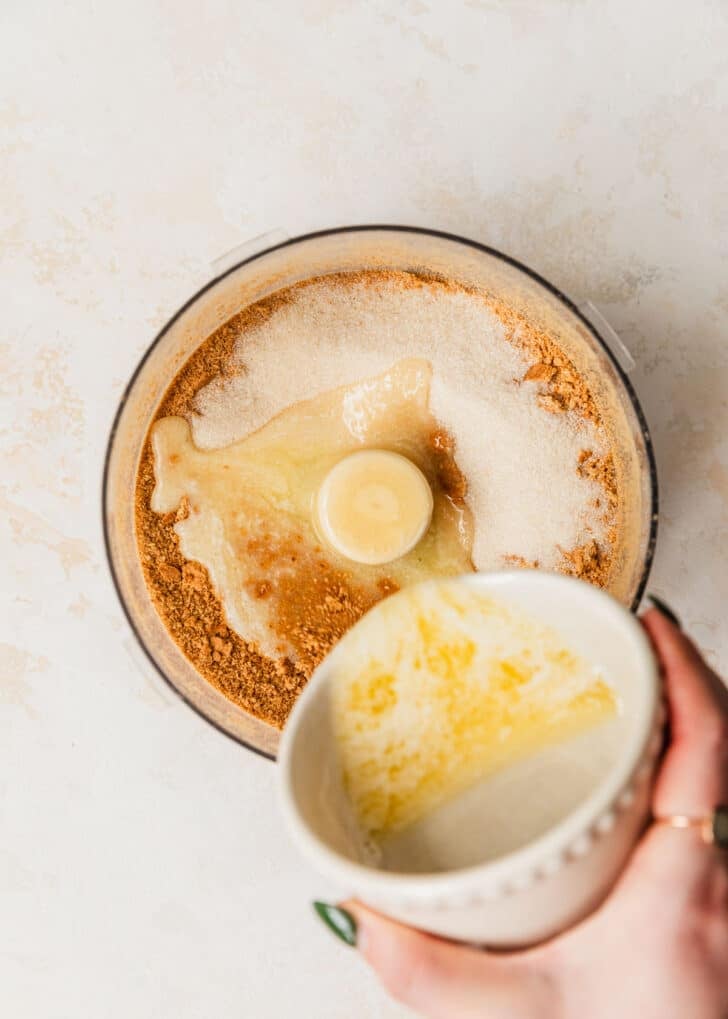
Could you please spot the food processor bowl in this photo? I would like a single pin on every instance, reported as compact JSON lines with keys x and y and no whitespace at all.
{"x":348,"y":249}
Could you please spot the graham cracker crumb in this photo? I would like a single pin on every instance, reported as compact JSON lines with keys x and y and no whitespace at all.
{"x":169,"y":573}
{"x":520,"y":561}
{"x":539,"y":372}
{"x":590,"y":562}
{"x":552,"y":403}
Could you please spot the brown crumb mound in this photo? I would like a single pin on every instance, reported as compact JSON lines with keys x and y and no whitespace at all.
{"x":601,"y":469}
{"x":318,"y":607}
{"x":564,"y":387}
{"x":316,"y":616}
{"x":589,"y":562}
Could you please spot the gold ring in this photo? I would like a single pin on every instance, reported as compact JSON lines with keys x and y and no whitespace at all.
{"x":712,"y":828}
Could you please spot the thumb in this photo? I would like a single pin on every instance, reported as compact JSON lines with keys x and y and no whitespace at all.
{"x":443,"y":980}
{"x":693,"y":778}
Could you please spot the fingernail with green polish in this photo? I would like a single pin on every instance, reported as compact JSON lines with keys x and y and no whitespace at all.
{"x":339,"y":921}
{"x":665,"y":610}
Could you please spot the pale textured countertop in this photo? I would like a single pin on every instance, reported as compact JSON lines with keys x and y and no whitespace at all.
{"x":143,"y":867}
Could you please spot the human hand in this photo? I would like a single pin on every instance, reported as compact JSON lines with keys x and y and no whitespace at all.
{"x":657,"y":948}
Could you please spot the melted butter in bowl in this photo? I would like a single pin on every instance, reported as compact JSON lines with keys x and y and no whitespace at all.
{"x":454,"y":711}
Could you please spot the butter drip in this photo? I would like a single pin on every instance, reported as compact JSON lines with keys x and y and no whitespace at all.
{"x":247,"y":511}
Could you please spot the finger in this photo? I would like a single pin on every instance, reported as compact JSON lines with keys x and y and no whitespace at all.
{"x":694,"y":773}
{"x":692,"y":686}
{"x":440,"y":979}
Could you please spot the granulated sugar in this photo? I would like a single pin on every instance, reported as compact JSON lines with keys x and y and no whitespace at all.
{"x":521,"y":462}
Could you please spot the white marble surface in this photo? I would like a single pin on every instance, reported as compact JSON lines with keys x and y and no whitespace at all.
{"x":143,"y":869}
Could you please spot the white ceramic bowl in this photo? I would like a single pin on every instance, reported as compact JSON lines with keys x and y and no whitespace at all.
{"x":543,"y":886}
